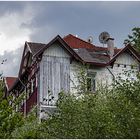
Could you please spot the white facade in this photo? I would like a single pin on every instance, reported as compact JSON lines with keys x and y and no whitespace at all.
{"x":58,"y":74}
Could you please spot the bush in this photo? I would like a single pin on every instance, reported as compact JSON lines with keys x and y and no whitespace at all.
{"x":9,"y":120}
{"x":109,"y":113}
{"x":28,"y":129}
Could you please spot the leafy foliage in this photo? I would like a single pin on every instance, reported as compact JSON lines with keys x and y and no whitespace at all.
{"x":28,"y":129}
{"x":9,"y":119}
{"x":111,"y":114}
{"x":134,"y":39}
{"x":108,"y":113}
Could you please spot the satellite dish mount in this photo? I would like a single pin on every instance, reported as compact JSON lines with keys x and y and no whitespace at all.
{"x":103,"y":37}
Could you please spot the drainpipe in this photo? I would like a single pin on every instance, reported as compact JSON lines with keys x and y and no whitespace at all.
{"x":111,"y":73}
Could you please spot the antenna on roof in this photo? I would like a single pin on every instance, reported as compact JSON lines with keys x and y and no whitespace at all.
{"x":103,"y":37}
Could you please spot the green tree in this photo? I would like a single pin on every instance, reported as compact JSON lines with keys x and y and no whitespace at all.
{"x":134,"y":39}
{"x":29,"y":129}
{"x":108,"y":113}
{"x":9,"y":119}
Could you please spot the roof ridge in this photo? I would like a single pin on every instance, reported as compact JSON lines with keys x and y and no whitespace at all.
{"x":36,"y":43}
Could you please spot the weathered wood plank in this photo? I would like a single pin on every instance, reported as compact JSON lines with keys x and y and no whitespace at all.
{"x":56,"y":76}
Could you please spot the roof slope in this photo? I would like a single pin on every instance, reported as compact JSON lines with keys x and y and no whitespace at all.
{"x":127,"y":48}
{"x":76,"y":42}
{"x":89,"y":52}
{"x":35,"y":47}
{"x":90,"y":56}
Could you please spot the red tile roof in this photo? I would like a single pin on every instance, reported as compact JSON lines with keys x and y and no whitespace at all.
{"x":9,"y":81}
{"x":76,"y":43}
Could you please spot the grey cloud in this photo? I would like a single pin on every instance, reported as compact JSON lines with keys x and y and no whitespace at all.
{"x":10,"y":6}
{"x":11,"y":66}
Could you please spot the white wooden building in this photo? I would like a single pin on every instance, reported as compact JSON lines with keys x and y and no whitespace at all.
{"x":52,"y":68}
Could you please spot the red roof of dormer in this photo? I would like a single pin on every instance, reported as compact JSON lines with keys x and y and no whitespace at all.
{"x":9,"y":81}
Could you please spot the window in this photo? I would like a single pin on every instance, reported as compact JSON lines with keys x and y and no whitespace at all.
{"x":91,"y":84}
{"x":124,"y":66}
{"x":132,"y":66}
{"x":118,"y":65}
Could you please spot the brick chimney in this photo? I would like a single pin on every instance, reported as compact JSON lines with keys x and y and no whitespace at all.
{"x":110,"y":46}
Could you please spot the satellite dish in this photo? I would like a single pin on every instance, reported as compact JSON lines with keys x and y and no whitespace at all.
{"x":103,"y":37}
{"x":90,"y":39}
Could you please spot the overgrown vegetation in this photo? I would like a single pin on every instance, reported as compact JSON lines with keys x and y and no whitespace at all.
{"x":9,"y":119}
{"x":113,"y":113}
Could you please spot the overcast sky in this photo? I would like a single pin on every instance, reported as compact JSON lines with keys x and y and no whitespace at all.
{"x":42,"y":21}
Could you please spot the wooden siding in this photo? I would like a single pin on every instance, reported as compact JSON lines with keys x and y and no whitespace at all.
{"x":127,"y":59}
{"x":54,"y":73}
{"x":56,"y":50}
